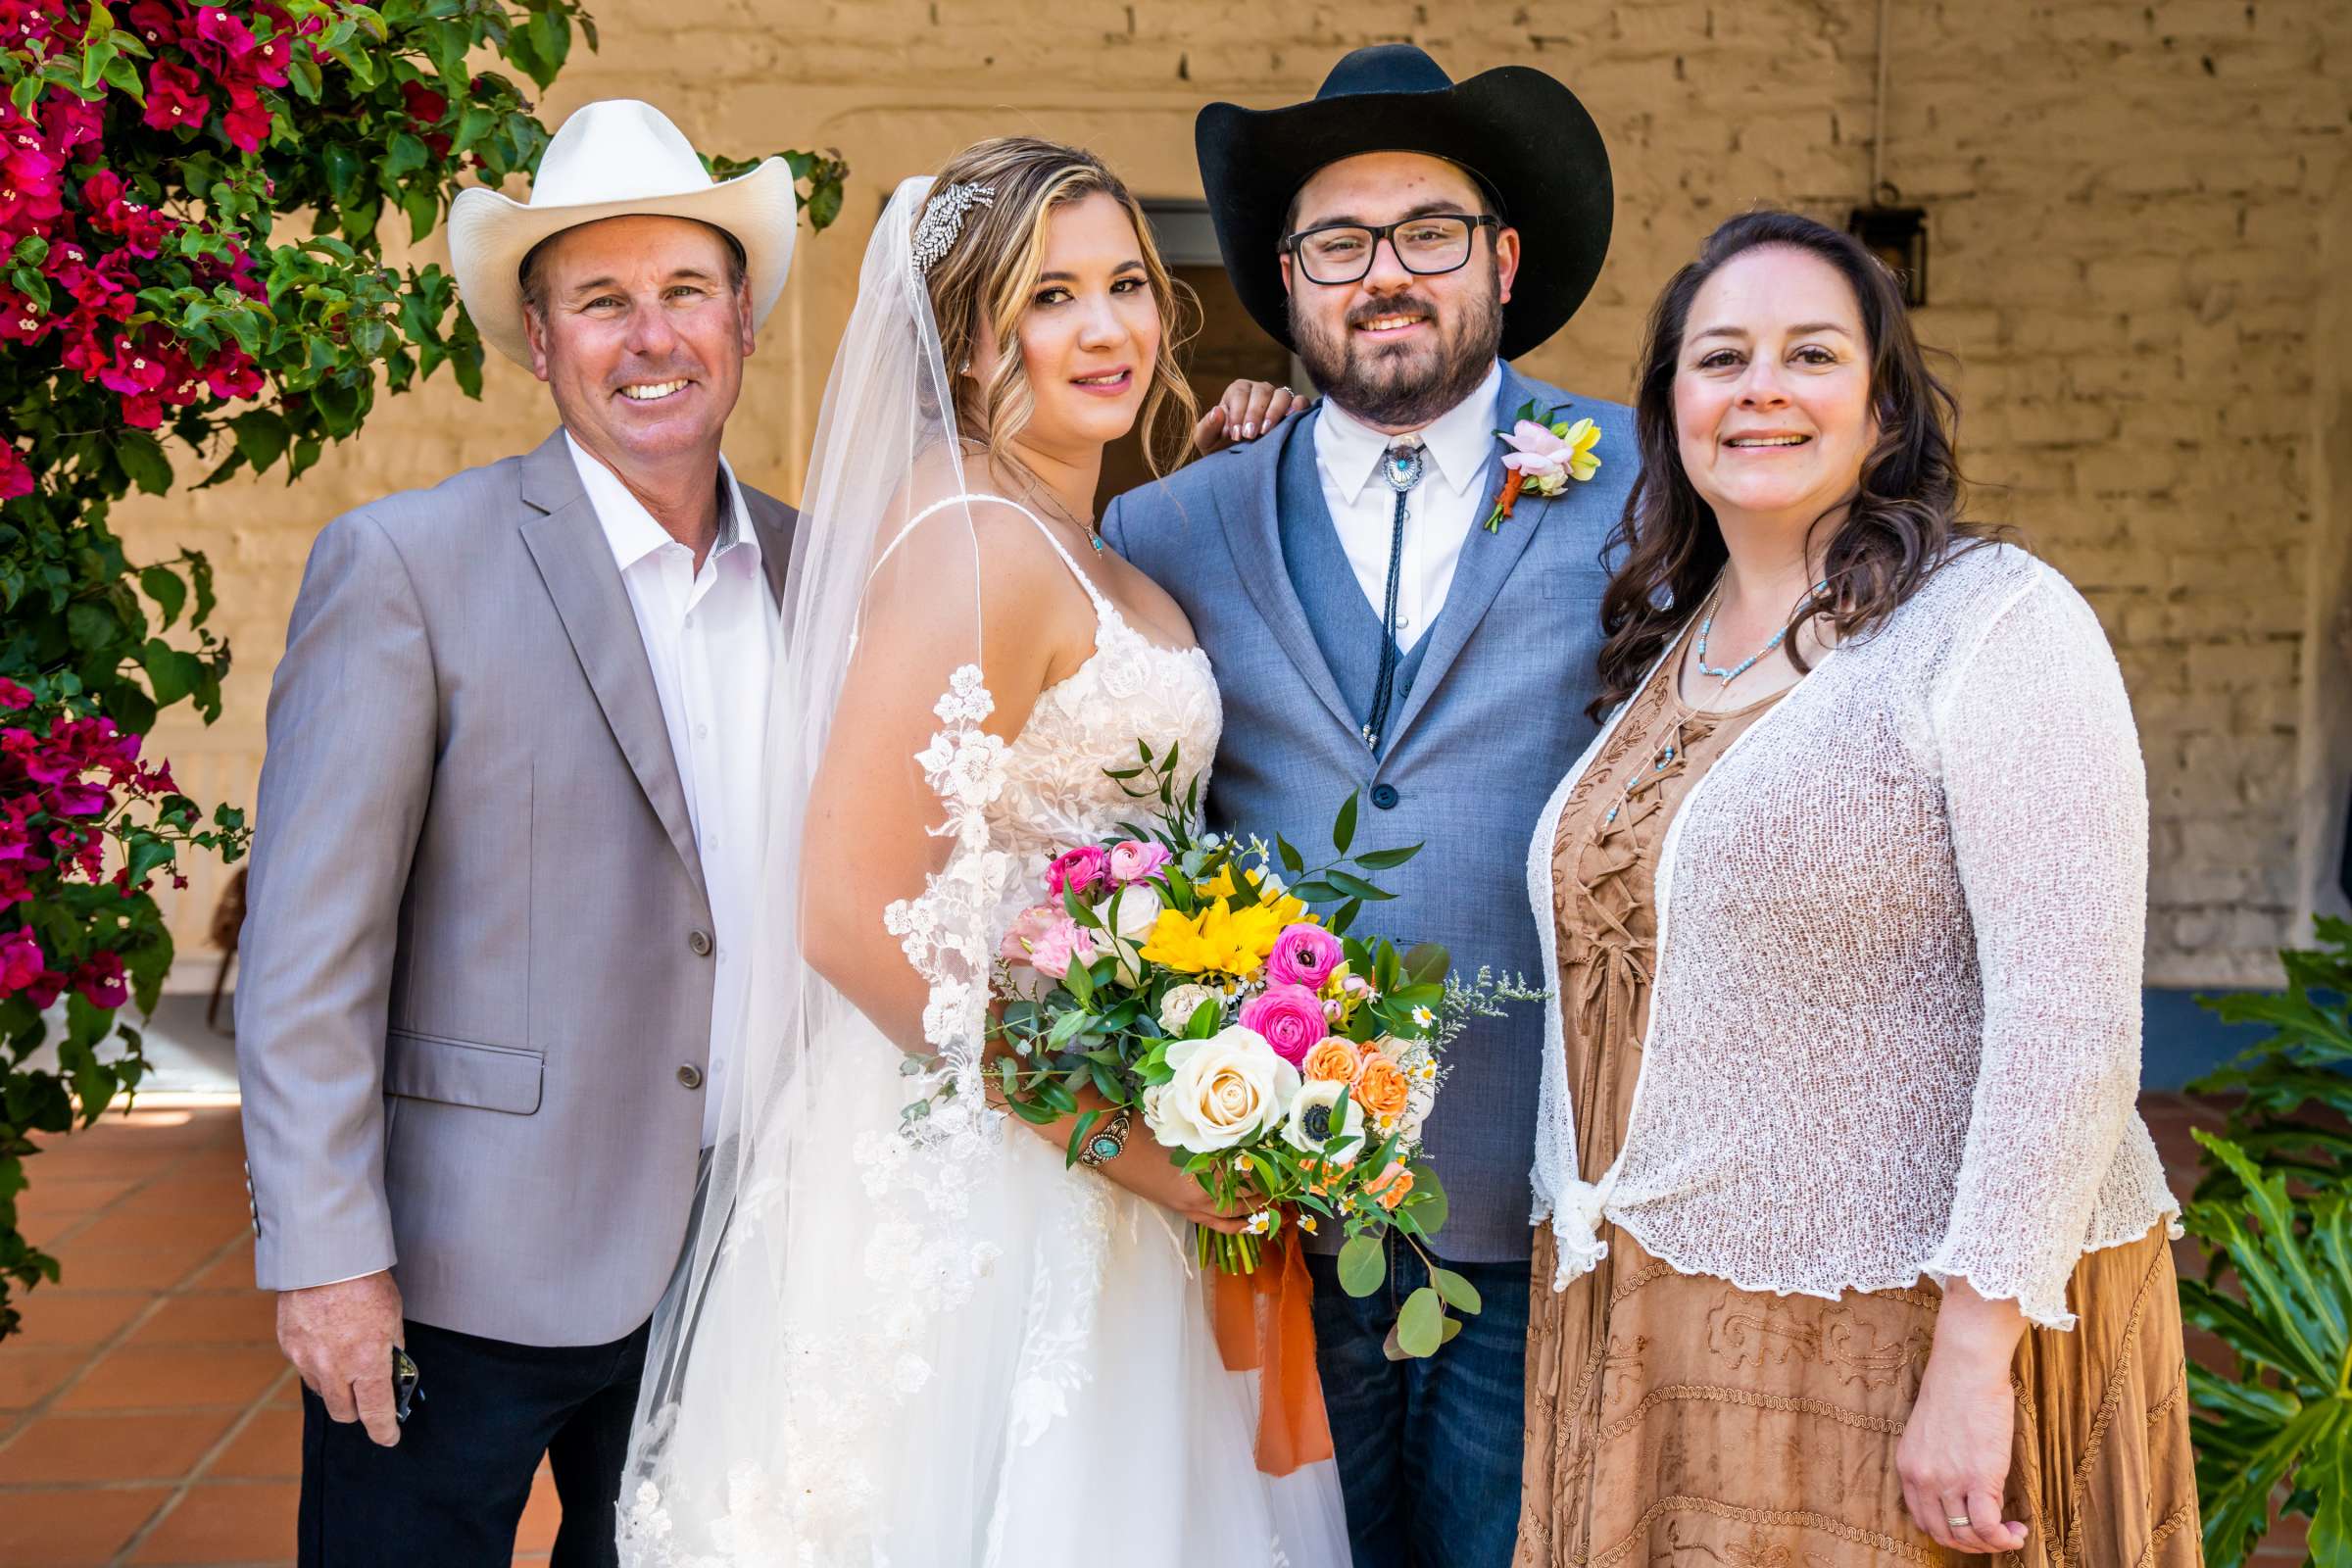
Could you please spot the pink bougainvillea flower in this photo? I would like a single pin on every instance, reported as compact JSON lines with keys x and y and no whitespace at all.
{"x":12,"y":695}
{"x":248,"y":119}
{"x":16,"y":479}
{"x":67,"y":122}
{"x":224,"y":32}
{"x":114,"y":209}
{"x":21,"y":961}
{"x":135,"y":366}
{"x":21,"y":320}
{"x":155,"y":23}
{"x":425,"y":106}
{"x":269,"y":57}
{"x":100,"y":981}
{"x":32,"y":196}
{"x":174,"y":98}
{"x":86,"y":851}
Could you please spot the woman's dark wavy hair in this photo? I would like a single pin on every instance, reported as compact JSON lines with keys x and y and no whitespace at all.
{"x":1900,"y":528}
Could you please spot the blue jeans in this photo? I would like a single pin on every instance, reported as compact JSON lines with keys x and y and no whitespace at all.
{"x":1429,"y":1451}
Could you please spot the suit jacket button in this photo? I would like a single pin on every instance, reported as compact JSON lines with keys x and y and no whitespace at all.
{"x":1385,"y":796}
{"x":697,"y":942}
{"x":690,"y":1076}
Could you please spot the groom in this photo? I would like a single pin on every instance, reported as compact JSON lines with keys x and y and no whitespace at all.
{"x":1404,"y":234}
{"x":510,"y":800}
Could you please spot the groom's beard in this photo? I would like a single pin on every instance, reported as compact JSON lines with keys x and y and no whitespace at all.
{"x":1402,"y":385}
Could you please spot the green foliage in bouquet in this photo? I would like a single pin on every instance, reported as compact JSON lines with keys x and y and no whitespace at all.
{"x":2273,"y":1210}
{"x":152,"y":306}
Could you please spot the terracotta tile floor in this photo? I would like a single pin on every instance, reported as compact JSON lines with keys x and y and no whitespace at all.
{"x":145,"y":1415}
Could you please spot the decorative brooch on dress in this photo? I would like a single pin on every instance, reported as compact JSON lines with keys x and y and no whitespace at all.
{"x":943,"y":220}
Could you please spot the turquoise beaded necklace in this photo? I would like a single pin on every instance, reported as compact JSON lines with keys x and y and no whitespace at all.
{"x":1707,"y":623}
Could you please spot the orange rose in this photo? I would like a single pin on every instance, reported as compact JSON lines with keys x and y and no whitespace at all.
{"x":1391,"y":1186}
{"x":1380,"y":1087}
{"x":1331,"y":1061}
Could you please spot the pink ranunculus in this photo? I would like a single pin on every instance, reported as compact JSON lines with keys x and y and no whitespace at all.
{"x":1289,"y":1017}
{"x":1135,"y":860}
{"x":1064,"y":943}
{"x":1085,"y":870}
{"x":1305,"y":954}
{"x":100,"y":981}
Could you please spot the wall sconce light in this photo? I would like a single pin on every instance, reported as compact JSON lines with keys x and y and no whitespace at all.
{"x":1898,"y":237}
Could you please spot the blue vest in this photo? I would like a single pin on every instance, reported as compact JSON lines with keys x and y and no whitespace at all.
{"x":1346,"y":626}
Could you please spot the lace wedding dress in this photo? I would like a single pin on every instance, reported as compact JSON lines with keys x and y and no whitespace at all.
{"x":933,"y":1344}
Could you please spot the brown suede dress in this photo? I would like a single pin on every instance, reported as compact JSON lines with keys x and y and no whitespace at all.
{"x":1674,"y":1416}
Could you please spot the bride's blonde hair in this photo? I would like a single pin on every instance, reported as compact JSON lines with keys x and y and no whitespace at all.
{"x":991,"y":272}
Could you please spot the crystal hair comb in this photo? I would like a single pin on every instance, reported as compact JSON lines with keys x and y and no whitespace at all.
{"x":943,"y":220}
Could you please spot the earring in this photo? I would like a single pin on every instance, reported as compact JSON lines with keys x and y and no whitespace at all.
{"x":965,"y":369}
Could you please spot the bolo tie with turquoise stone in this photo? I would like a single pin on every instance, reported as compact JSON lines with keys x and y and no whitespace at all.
{"x":1402,"y":466}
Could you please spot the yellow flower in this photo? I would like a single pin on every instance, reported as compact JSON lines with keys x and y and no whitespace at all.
{"x":1226,"y":937}
{"x":1582,"y":437}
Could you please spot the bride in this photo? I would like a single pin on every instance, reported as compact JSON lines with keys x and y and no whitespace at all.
{"x":909,"y":1332}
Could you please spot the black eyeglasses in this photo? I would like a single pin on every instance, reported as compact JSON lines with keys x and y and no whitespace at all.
{"x":1342,"y":253}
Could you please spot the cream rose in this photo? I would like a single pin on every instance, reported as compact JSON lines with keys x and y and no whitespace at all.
{"x":1227,"y":1090}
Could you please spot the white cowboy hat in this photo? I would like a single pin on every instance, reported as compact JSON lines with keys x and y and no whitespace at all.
{"x":615,"y":159}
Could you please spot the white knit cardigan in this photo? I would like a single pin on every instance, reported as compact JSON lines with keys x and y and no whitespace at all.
{"x":1895,"y":1028}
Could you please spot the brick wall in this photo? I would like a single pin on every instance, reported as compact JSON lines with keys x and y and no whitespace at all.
{"x":2140,"y":253}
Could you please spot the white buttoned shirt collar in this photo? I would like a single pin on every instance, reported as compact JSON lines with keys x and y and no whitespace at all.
{"x":711,"y":637}
{"x":1439,"y":516}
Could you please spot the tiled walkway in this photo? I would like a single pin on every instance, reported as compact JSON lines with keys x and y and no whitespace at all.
{"x":145,"y":1414}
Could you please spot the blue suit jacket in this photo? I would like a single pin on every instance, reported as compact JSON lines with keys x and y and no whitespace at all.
{"x":1495,"y":716}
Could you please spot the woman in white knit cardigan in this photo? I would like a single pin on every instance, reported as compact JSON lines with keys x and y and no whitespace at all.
{"x":1852,"y":1245}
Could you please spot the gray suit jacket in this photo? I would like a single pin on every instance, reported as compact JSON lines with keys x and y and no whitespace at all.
{"x":474,"y":1013}
{"x":1495,"y":716}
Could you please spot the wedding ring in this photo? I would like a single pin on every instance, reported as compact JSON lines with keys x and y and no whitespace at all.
{"x":1960,"y":1523}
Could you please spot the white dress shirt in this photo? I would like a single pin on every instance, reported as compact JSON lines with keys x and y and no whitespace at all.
{"x":1440,"y":512}
{"x":713,"y":637}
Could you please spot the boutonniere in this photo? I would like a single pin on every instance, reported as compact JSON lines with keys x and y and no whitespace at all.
{"x":1543,"y":457}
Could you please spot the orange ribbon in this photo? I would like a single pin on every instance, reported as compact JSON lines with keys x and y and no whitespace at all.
{"x":1265,"y":1323}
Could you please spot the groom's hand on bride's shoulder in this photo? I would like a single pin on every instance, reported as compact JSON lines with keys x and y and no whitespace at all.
{"x":340,"y":1338}
{"x":1246,"y":410}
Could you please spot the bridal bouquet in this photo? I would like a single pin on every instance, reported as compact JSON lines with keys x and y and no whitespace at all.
{"x":1287,"y":1062}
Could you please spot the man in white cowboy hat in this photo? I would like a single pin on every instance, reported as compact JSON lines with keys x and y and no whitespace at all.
{"x":509,"y":816}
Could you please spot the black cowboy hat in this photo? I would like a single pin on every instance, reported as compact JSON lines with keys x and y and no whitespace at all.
{"x":1522,"y":135}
